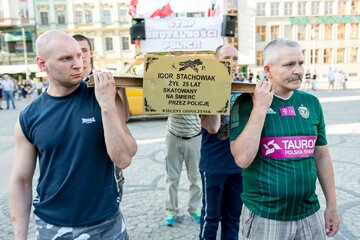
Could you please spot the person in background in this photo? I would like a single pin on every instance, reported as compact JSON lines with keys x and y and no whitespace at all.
{"x":251,"y":76}
{"x":340,"y":79}
{"x":331,"y":79}
{"x":8,"y":90}
{"x":39,"y":86}
{"x":87,"y":51}
{"x":1,"y":92}
{"x":314,"y":81}
{"x":221,"y":177}
{"x":182,"y":146}
{"x":76,"y":133}
{"x":278,"y":136}
{"x":307,"y":80}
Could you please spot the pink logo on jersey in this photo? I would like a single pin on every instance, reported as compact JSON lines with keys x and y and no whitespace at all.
{"x":287,"y":111}
{"x":287,"y":147}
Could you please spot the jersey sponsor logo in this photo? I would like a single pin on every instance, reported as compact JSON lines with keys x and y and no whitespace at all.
{"x":88,"y":120}
{"x":287,"y":147}
{"x":304,"y":112}
{"x":270,"y":111}
{"x":287,"y":111}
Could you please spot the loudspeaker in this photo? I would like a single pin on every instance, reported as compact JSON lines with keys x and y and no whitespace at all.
{"x":228,"y":26}
{"x":137,"y":30}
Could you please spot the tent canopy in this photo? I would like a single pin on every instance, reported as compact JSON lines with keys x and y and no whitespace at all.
{"x":12,"y":69}
{"x":17,"y":36}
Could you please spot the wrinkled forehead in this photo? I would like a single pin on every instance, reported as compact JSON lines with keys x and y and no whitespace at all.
{"x":285,"y":54}
{"x":83,"y":44}
{"x":228,"y":52}
{"x":292,"y":53}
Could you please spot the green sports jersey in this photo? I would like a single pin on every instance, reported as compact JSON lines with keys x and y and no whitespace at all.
{"x":280,"y":183}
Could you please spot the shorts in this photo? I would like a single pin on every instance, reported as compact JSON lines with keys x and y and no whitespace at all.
{"x":255,"y":227}
{"x":113,"y":228}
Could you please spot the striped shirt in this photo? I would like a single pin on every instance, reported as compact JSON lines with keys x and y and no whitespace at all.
{"x":183,"y":125}
{"x":280,"y":183}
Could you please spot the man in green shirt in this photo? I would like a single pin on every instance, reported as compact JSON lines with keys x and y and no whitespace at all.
{"x":278,"y":136}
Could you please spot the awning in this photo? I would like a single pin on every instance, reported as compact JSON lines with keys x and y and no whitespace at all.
{"x":17,"y":36}
{"x":12,"y":69}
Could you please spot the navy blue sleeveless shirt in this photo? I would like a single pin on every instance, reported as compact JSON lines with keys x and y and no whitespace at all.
{"x":216,"y":157}
{"x":76,"y":185}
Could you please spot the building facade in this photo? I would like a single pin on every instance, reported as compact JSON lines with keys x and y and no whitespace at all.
{"x":105,"y":22}
{"x":17,"y":33}
{"x":328,"y":32}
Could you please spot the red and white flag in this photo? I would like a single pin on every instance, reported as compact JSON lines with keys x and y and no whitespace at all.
{"x":216,"y":9}
{"x":132,"y":8}
{"x":163,"y":12}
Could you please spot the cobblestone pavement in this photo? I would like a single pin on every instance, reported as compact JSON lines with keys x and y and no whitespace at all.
{"x":143,"y":201}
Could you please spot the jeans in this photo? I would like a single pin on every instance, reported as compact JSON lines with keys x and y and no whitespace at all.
{"x":9,"y":96}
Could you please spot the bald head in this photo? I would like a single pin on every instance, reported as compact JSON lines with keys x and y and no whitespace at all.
{"x":51,"y":40}
{"x":229,"y":53}
{"x":223,"y":50}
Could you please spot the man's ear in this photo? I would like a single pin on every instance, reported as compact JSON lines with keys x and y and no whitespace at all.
{"x":41,"y":63}
{"x":267,"y":71}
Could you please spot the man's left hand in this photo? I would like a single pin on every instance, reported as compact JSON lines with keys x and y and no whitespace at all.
{"x":331,"y":221}
{"x":105,"y":89}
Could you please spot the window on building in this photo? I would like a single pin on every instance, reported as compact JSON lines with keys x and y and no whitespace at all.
{"x":288,"y":30}
{"x":88,"y":16}
{"x":274,"y":32}
{"x":107,"y":16}
{"x":355,"y":6}
{"x":288,"y":6}
{"x":260,"y":33}
{"x":274,"y":9}
{"x":123,"y":15}
{"x":78,"y":17}
{"x":108,"y":44}
{"x":44,"y":19}
{"x":304,"y":54}
{"x":301,"y":8}
{"x":341,"y":6}
{"x":314,"y":58}
{"x":354,"y":33}
{"x":340,"y":54}
{"x":1,"y":15}
{"x":24,"y":13}
{"x":315,"y":8}
{"x":327,"y":55}
{"x":261,"y":9}
{"x":61,"y":17}
{"x":341,"y":31}
{"x":353,"y":53}
{"x":301,"y":34}
{"x":259,"y":58}
{"x":315,"y":34}
{"x":328,"y":32}
{"x":328,"y":6}
{"x":125,"y":43}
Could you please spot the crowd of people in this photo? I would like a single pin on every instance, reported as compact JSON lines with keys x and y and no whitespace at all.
{"x":12,"y":89}
{"x":337,"y":79}
{"x":253,"y":172}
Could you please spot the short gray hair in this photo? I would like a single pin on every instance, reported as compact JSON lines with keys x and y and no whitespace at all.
{"x":271,"y":50}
